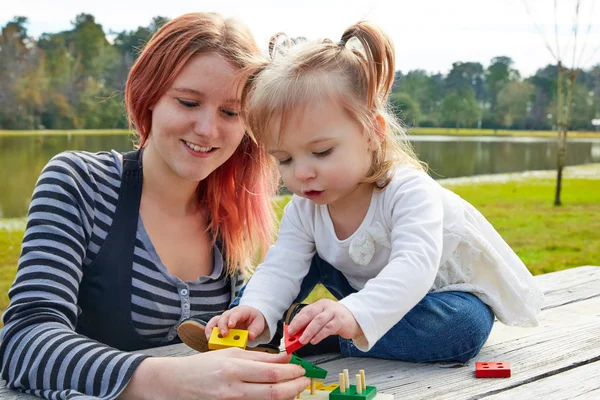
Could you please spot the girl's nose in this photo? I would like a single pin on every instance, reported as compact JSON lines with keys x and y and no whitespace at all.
{"x":304,"y":171}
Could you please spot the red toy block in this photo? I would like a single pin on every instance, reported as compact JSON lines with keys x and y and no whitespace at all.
{"x":292,"y":343}
{"x":492,"y":369}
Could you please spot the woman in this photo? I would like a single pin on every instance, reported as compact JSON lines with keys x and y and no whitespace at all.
{"x":120,"y":249}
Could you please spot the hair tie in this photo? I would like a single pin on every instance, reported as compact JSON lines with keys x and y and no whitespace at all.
{"x":342,"y":42}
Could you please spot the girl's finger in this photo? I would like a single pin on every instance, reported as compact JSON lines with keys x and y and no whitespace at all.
{"x":303,"y":318}
{"x":224,"y":323}
{"x":316,"y":325}
{"x":329,"y":329}
{"x":210,"y":325}
{"x":256,"y":327}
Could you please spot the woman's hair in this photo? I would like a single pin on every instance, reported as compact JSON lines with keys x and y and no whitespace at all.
{"x":357,"y":71}
{"x":238,"y":194}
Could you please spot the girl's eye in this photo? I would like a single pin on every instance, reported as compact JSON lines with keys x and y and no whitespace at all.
{"x":285,"y":162}
{"x":323,"y":153}
{"x":186,"y":103}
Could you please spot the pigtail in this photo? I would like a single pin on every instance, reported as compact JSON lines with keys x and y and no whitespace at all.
{"x":379,"y":62}
{"x":275,"y":44}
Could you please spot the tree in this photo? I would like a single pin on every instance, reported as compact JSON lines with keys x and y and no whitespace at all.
{"x":18,"y":61}
{"x":90,"y":44}
{"x":468,"y":76}
{"x":566,"y":77}
{"x":425,"y":89}
{"x":514,"y":102}
{"x":405,"y":108}
{"x":498,"y":75}
{"x":460,"y":108}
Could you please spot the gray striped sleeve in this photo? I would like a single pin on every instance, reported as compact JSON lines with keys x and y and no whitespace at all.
{"x":40,"y":353}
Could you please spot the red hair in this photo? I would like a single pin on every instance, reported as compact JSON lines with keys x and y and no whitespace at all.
{"x":237,"y":194}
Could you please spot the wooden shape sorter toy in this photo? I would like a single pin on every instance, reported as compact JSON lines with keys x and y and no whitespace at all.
{"x":235,"y":338}
{"x":492,"y":369}
{"x":344,"y":391}
{"x":312,"y":371}
{"x":292,"y":343}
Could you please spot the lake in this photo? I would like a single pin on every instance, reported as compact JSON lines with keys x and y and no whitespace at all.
{"x":23,"y":157}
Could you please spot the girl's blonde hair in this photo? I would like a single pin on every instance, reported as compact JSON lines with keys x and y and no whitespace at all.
{"x":237,"y":195}
{"x":357,"y":71}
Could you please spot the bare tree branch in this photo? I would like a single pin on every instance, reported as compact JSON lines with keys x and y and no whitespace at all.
{"x":575,"y":31}
{"x":556,"y":31}
{"x":593,"y":54}
{"x":539,"y":30}
{"x":587,"y":35}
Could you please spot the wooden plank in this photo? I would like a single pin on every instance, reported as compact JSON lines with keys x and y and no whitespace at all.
{"x":570,"y":340}
{"x":7,"y":394}
{"x":564,"y":344}
{"x":582,"y":383}
{"x":560,"y":316}
{"x":569,"y":285}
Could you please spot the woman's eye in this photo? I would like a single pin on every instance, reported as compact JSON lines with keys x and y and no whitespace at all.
{"x":285,"y":161}
{"x":323,"y":153}
{"x":230,"y":113}
{"x":187,"y":103}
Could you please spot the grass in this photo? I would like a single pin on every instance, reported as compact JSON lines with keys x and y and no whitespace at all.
{"x":499,"y":132}
{"x":414,"y":131}
{"x":547,"y":238}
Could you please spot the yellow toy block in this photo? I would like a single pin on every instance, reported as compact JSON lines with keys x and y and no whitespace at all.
{"x":330,"y":388}
{"x":318,"y":386}
{"x":235,"y":338}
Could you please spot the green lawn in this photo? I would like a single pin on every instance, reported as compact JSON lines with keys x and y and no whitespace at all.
{"x":546,"y":238}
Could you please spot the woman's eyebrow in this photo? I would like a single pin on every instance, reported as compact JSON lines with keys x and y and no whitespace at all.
{"x":234,"y":102}
{"x":187,"y":90}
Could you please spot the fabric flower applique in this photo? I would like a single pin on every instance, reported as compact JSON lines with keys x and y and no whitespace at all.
{"x":362,"y":247}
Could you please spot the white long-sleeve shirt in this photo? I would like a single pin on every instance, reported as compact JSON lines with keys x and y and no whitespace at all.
{"x":412,"y":228}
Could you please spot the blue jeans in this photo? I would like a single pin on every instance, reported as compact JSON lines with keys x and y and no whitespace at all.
{"x":444,"y":326}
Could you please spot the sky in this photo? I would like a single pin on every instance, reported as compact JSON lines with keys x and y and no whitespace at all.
{"x":428,"y":34}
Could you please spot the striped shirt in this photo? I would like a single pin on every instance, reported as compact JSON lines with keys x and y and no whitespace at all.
{"x":71,"y":212}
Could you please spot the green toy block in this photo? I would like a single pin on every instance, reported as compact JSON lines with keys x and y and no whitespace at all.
{"x":367,"y":394}
{"x":312,"y":371}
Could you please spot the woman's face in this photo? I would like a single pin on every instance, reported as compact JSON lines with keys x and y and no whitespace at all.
{"x":196,"y":125}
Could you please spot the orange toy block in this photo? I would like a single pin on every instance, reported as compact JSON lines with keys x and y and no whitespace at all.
{"x":292,"y":343}
{"x":235,"y":338}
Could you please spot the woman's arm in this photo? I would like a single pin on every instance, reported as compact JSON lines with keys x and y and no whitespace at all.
{"x":40,"y":352}
{"x":222,"y":374}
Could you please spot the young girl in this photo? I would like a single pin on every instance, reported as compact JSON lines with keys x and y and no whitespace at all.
{"x":419,"y":273}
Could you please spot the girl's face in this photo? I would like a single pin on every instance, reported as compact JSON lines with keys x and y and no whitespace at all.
{"x":322,"y":153}
{"x":195,"y":124}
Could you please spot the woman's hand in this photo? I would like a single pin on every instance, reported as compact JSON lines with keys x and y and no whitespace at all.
{"x":223,"y":374}
{"x":240,"y":317}
{"x":324,"y":318}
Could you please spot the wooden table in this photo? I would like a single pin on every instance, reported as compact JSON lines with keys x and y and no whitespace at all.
{"x":559,"y":359}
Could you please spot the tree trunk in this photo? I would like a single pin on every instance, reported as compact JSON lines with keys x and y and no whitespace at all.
{"x":560,"y":163}
{"x":561,"y":134}
{"x":563,"y":118}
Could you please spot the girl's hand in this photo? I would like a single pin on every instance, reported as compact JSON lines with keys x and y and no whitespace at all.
{"x":222,"y":374}
{"x":324,"y":318}
{"x":240,"y":317}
